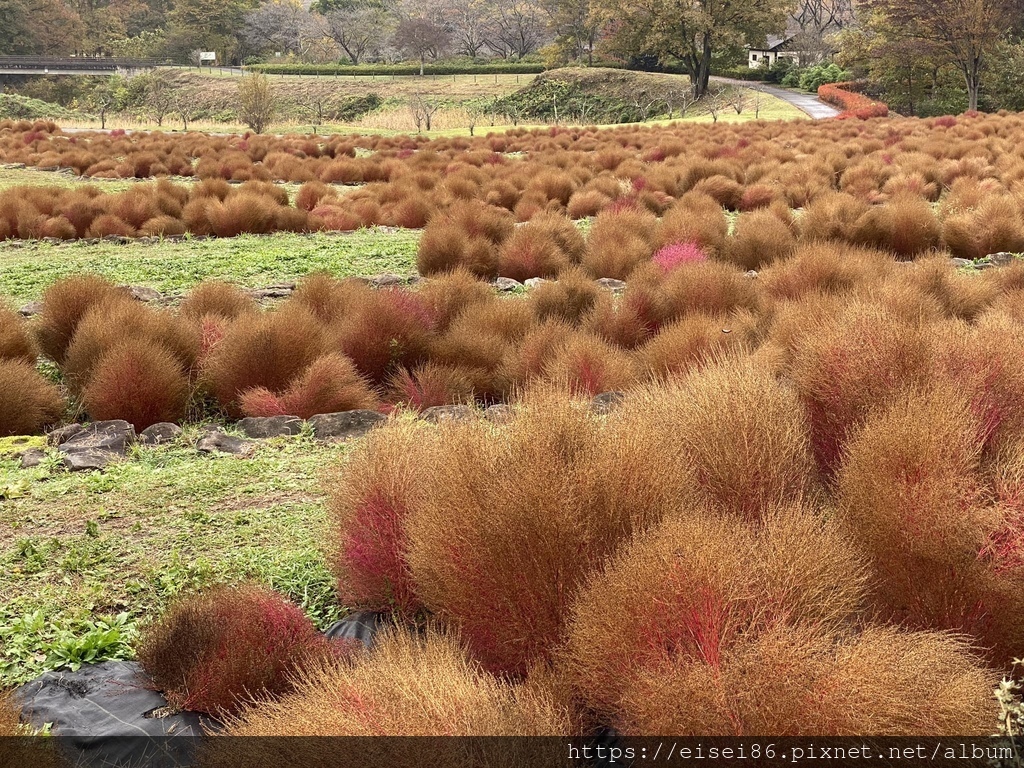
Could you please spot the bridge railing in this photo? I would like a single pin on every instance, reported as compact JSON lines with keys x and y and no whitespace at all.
{"x":75,"y":62}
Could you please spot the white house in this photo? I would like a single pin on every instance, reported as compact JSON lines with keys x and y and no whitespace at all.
{"x":777,"y":47}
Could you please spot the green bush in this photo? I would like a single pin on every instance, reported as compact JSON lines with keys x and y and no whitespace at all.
{"x":397,"y":69}
{"x":23,"y":108}
{"x":814,"y":77}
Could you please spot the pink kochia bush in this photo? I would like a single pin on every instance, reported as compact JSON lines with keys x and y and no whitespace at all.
{"x":677,"y":254}
{"x":215,"y":651}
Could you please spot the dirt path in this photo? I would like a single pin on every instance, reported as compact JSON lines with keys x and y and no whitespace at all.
{"x":805,"y":102}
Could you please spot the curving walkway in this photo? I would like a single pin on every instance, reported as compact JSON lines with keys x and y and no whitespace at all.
{"x":807,"y":103}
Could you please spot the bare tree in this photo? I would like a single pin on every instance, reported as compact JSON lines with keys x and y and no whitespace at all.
{"x":421,"y":37}
{"x":683,"y":99}
{"x":577,"y":23}
{"x":714,"y":102}
{"x":738,"y":100}
{"x":470,"y":22}
{"x":518,"y":28}
{"x":358,"y":31}
{"x":644,"y":104}
{"x":423,"y":110}
{"x":256,"y":102}
{"x":756,"y":101}
{"x":159,"y":97}
{"x":185,"y":106}
{"x":280,"y":26}
{"x":316,"y":106}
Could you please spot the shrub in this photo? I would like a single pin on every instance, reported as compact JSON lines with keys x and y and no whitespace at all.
{"x":64,"y":304}
{"x":106,"y":225}
{"x":832,"y":216}
{"x":495,"y":574}
{"x":995,"y":225}
{"x":911,"y":490}
{"x":826,"y":268}
{"x":711,"y":603}
{"x":445,"y":247}
{"x":564,"y":233}
{"x":28,"y":402}
{"x":844,"y":96}
{"x":618,"y":242}
{"x":531,"y":252}
{"x":330,"y":384}
{"x":330,"y":299}
{"x":214,"y":297}
{"x":709,"y":287}
{"x":407,"y":686}
{"x":689,"y":344}
{"x":119,"y":318}
{"x":676,"y":254}
{"x":216,"y":651}
{"x":263,"y":350}
{"x":568,"y":299}
{"x":448,"y":295}
{"x":739,"y":430}
{"x":390,"y":329}
{"x":587,"y":365}
{"x":905,"y":225}
{"x":760,"y":239}
{"x":15,"y":341}
{"x":865,"y":356}
{"x":430,"y":384}
{"x":137,"y":380}
{"x":371,"y":499}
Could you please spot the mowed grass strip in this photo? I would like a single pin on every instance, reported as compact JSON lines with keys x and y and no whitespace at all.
{"x":88,"y":558}
{"x":27,"y":268}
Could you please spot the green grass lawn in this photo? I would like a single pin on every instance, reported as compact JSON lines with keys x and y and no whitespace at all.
{"x":89,"y":557}
{"x":27,"y":268}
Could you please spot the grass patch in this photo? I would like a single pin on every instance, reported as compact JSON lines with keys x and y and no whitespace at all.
{"x":27,"y":268}
{"x":90,"y":557}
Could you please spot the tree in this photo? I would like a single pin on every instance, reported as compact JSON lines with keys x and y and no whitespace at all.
{"x":965,"y":31}
{"x":423,"y":110}
{"x":186,"y":107}
{"x":518,"y":28}
{"x":159,"y":96}
{"x":577,"y":24}
{"x":208,"y":25}
{"x":420,"y":37}
{"x":256,"y":103}
{"x":470,"y":23}
{"x":279,"y":25}
{"x":691,"y":31}
{"x":30,"y":27}
{"x":357,"y":30}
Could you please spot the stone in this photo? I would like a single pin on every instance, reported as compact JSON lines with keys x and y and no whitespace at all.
{"x":270,"y":426}
{"x":30,"y":309}
{"x":273,"y":291}
{"x":119,"y":239}
{"x":982,"y":265}
{"x":114,"y":436}
{"x":216,"y":441}
{"x":32,"y":457}
{"x":159,"y":433}
{"x":87,"y":459}
{"x":751,"y":273}
{"x":439,"y":413}
{"x":606,"y":402}
{"x":610,"y":283}
{"x":1001,"y":259}
{"x":506,"y":284}
{"x":143,"y":293}
{"x":499,"y":413}
{"x":386,"y":280}
{"x":344,"y":424}
{"x":533,"y":282}
{"x":960,"y":263}
{"x":63,"y":434}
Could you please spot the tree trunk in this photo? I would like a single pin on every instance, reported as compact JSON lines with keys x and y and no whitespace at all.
{"x":423,"y":58}
{"x":972,"y":76}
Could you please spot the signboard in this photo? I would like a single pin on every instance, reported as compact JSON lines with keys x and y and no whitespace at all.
{"x":205,"y":56}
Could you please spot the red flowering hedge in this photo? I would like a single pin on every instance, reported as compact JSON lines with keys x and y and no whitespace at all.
{"x":853,"y":104}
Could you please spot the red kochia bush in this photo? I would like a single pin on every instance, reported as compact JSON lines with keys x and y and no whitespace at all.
{"x":215,"y":651}
{"x":330,"y":384}
{"x":137,"y":380}
{"x":853,"y":104}
{"x":64,"y":305}
{"x":15,"y":341}
{"x":263,"y":350}
{"x":371,"y":498}
{"x":28,"y":402}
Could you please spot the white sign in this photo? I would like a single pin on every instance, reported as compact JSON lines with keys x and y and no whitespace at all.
{"x":207,"y":56}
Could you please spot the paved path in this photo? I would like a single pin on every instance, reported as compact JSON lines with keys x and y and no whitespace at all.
{"x":805,"y":102}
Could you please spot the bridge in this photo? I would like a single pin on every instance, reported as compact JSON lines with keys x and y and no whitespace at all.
{"x":72,"y":65}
